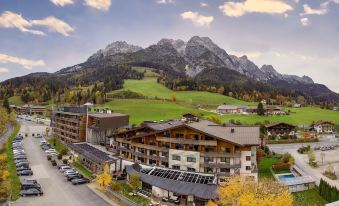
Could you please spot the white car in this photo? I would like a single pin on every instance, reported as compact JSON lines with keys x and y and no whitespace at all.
{"x":50,"y":150}
{"x":70,"y":172}
{"x":18,"y":151}
{"x":64,"y":168}
{"x":43,"y":142}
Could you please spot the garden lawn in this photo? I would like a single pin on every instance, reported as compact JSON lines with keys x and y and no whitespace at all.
{"x":308,"y":198}
{"x":143,"y":109}
{"x":14,"y":178}
{"x":57,"y":145}
{"x":265,"y":166}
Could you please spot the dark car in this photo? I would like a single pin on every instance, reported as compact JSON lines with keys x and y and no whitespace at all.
{"x":22,"y":169}
{"x":22,"y":164}
{"x":20,"y":157}
{"x":80,"y":181}
{"x":29,"y":183}
{"x":75,"y":176}
{"x":31,"y":191}
{"x":25,"y":172}
{"x":20,"y":160}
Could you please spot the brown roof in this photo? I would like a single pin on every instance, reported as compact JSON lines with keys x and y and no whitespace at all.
{"x":277,"y":123}
{"x":165,"y":125}
{"x":322,"y":122}
{"x":106,"y":115}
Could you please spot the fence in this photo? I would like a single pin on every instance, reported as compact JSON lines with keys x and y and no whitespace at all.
{"x":121,"y":198}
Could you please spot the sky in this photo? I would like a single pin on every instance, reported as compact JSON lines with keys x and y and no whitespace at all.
{"x":299,"y":37}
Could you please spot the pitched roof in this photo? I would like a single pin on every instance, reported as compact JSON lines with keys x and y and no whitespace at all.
{"x":319,"y":122}
{"x":277,"y":123}
{"x":165,"y":125}
{"x":241,"y":135}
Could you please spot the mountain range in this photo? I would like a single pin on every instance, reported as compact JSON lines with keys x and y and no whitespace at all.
{"x":199,"y":59}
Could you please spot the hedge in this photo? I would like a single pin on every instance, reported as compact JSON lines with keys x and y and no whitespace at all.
{"x":328,"y":192}
{"x":281,"y":166}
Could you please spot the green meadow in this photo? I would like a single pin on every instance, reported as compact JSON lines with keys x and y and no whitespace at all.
{"x":159,"y":106}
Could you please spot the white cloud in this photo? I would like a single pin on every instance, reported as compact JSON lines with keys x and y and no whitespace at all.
{"x":26,"y":63}
{"x":197,"y":18}
{"x":203,"y":4}
{"x":249,"y":54}
{"x":99,"y":4}
{"x":62,"y":2}
{"x":12,"y":20}
{"x":4,"y":70}
{"x":310,"y":11}
{"x":305,"y":21}
{"x":236,"y":9}
{"x":165,"y":1}
{"x":54,"y":25}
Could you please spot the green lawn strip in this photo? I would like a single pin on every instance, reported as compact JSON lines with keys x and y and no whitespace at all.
{"x":281,"y":171}
{"x":126,"y":189}
{"x":57,"y":145}
{"x":308,"y":198}
{"x":14,"y":178}
{"x":83,"y":170}
{"x":16,"y":100}
{"x":265,"y":166}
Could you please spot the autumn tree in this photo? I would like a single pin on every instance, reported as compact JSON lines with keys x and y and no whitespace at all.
{"x":239,"y":192}
{"x":134,"y":181}
{"x":174,"y":97}
{"x":211,"y":203}
{"x":105,"y":178}
{"x":214,"y":118}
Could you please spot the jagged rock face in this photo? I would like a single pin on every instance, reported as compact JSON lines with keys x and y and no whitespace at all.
{"x":115,"y":48}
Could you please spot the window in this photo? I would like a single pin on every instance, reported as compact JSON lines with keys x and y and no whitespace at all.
{"x":176,"y":157}
{"x":227,"y":170}
{"x":248,"y":167}
{"x":176,"y":167}
{"x":190,"y":169}
{"x":208,"y":159}
{"x":248,"y":158}
{"x":208,"y":170}
{"x":226,"y":149}
{"x":178,"y":135}
{"x":191,"y":159}
{"x":225,"y":159}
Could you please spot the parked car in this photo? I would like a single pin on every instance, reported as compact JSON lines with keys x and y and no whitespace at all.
{"x":22,"y":164}
{"x":50,"y":150}
{"x":80,"y":181}
{"x":70,"y":172}
{"x":20,"y":160}
{"x":18,"y":157}
{"x":25,"y":172}
{"x":164,"y":199}
{"x":31,"y":191}
{"x":42,"y":142}
{"x":22,"y":168}
{"x":61,"y":165}
{"x":74,"y":176}
{"x":64,"y":168}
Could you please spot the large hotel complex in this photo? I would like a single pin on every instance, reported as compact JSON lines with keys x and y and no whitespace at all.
{"x":196,"y":154}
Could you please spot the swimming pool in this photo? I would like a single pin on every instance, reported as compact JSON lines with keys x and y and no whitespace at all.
{"x":286,"y":177}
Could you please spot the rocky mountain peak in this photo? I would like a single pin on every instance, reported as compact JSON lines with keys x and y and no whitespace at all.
{"x":307,"y":79}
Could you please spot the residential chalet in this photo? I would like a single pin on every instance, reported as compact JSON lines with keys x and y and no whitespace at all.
{"x":239,"y":109}
{"x":323,"y":127}
{"x":280,"y":129}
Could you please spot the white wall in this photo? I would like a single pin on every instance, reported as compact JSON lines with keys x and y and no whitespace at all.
{"x":183,"y":159}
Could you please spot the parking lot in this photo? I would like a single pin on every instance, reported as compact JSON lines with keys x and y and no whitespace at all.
{"x":57,"y":191}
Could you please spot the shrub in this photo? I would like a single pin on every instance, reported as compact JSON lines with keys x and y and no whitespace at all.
{"x":65,"y":161}
{"x":287,"y":158}
{"x":281,"y":166}
{"x":304,"y":149}
{"x":53,"y":163}
{"x":64,"y":151}
{"x":59,"y":156}
{"x":115,"y":186}
{"x":328,"y":192}
{"x":49,"y":157}
{"x":330,"y":173}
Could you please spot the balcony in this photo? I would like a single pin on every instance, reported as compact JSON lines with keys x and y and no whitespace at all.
{"x":66,"y":125}
{"x":220,"y":165}
{"x":123,"y":140}
{"x":67,"y":119}
{"x":187,"y":141}
{"x":149,"y":147}
{"x":220,"y":154}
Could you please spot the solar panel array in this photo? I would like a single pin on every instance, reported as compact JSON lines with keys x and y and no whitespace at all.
{"x":180,"y":175}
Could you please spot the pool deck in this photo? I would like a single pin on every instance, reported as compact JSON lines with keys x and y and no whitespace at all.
{"x":297,"y":180}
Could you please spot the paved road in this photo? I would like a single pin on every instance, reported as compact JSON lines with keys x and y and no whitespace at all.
{"x":57,"y":192}
{"x":4,"y":136}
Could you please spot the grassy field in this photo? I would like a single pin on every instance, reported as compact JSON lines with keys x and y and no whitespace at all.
{"x":264,"y":168}
{"x":16,"y":100}
{"x":150,"y":88}
{"x":14,"y":178}
{"x":308,"y":198}
{"x":155,"y":110}
{"x":189,"y":101}
{"x":83,"y":170}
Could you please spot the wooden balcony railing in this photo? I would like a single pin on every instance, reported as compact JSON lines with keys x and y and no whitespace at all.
{"x":220,"y":154}
{"x":187,"y":141}
{"x":220,"y":165}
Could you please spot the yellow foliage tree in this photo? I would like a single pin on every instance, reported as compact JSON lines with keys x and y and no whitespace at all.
{"x":104,"y":179}
{"x":245,"y":193}
{"x":214,"y":118}
{"x":210,"y":203}
{"x":174,"y":97}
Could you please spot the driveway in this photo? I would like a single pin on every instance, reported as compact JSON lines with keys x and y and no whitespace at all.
{"x":57,"y":191}
{"x":5,"y":135}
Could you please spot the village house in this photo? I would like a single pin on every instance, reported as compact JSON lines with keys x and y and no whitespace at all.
{"x":280,"y":129}
{"x":239,"y":109}
{"x":30,"y":109}
{"x":323,"y":127}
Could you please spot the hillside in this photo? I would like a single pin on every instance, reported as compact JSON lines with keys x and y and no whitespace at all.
{"x":188,"y":101}
{"x":196,"y":65}
{"x":150,"y":88}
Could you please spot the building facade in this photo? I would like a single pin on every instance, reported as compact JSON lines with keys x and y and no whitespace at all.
{"x":196,"y":146}
{"x":280,"y":129}
{"x":323,"y":127}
